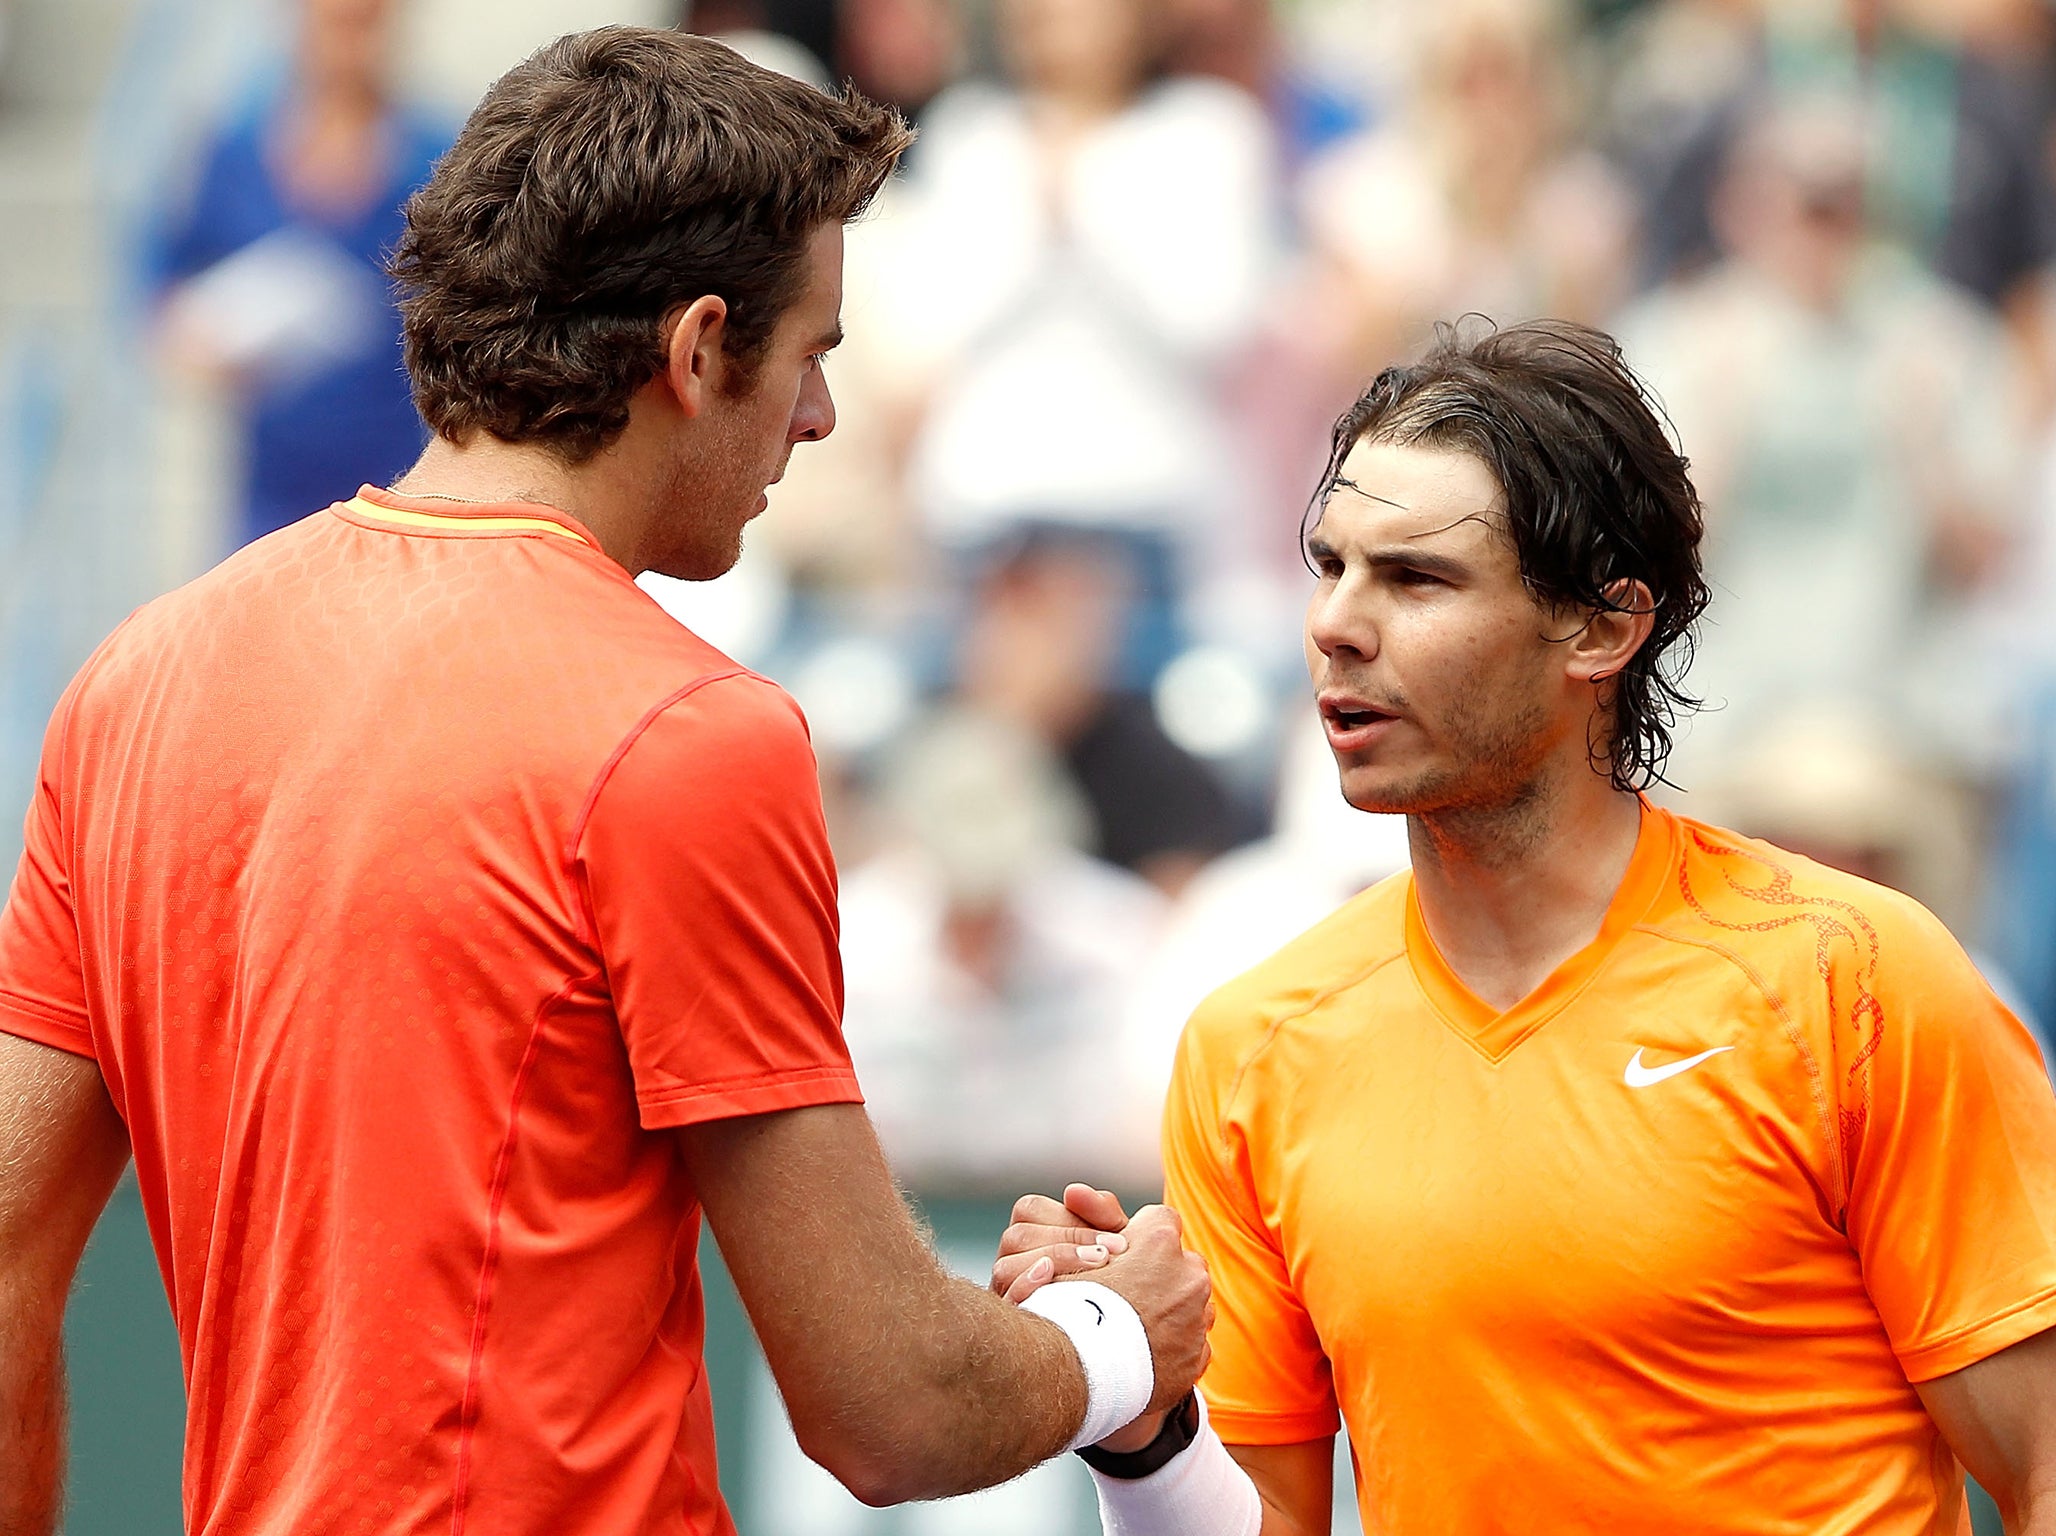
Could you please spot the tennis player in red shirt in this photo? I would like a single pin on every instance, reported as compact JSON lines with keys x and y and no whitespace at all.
{"x":442,"y":928}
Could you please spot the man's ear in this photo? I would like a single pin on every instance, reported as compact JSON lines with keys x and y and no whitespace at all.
{"x":694,"y":363}
{"x":1612,"y":636}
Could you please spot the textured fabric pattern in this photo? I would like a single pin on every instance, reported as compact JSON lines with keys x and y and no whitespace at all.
{"x":405,"y":876}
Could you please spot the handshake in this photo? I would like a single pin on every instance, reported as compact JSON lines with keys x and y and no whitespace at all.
{"x":1142,"y":1259}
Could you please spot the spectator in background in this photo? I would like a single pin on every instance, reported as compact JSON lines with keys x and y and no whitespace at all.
{"x":792,"y":37}
{"x":984,"y":950}
{"x":1476,"y":196}
{"x":1682,"y":73}
{"x":1041,"y":650}
{"x":1856,"y":438}
{"x":1075,"y":257}
{"x":1245,"y":43}
{"x":2015,"y":642}
{"x":273,"y":275}
{"x":901,"y":51}
{"x":1959,"y":99}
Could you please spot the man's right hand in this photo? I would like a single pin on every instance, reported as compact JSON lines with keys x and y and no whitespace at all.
{"x":1155,"y":1272}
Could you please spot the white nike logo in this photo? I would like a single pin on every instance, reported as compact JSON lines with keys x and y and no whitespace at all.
{"x":1639,"y":1076}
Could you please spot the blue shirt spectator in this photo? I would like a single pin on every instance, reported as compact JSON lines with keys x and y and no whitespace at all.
{"x":304,"y":291}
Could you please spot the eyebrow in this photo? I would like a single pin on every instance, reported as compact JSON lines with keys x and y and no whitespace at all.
{"x":830,"y":340}
{"x":1396,"y":556}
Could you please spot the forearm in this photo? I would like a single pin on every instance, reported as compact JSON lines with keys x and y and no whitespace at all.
{"x":903,"y":1382}
{"x":968,"y":1392}
{"x":32,"y":1413}
{"x":2034,"y":1511}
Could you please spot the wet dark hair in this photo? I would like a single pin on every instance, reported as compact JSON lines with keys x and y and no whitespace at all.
{"x":609,"y":178}
{"x":1596,"y":494}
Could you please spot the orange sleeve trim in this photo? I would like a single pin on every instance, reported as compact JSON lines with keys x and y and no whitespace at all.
{"x":800,"y":1089}
{"x":1980,"y":1341}
{"x":29,"y":1021}
{"x":1243,"y":1426}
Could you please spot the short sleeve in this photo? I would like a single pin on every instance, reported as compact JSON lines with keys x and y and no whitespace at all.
{"x":712,"y":890}
{"x":1949,"y":1126}
{"x":42,"y":967}
{"x":1270,"y":1382}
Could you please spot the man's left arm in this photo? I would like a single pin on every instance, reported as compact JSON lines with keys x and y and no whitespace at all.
{"x":1999,"y":1417}
{"x":62,"y":1146}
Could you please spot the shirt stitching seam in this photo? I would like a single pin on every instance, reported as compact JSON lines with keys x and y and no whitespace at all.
{"x":1271,"y":1033}
{"x":467,"y":1416}
{"x":589,"y":934}
{"x":1248,"y":1062}
{"x":14,"y":1000}
{"x":1966,"y":1331}
{"x":1822,"y":1109}
{"x":666,"y":1096}
{"x":606,"y":773}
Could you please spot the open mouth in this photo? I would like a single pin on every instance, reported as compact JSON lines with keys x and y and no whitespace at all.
{"x":1353,"y":715}
{"x":1356,"y":719}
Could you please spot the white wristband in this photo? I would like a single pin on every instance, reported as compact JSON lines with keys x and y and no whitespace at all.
{"x":1198,"y":1492}
{"x":1112,"y":1345}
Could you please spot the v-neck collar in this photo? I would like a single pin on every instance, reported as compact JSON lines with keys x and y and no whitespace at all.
{"x":1494,"y":1034}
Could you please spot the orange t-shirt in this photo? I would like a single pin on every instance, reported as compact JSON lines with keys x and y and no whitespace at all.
{"x":408,"y":876}
{"x":1661,"y":1248}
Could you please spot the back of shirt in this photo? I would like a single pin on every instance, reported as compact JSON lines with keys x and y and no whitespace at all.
{"x":408,"y":876}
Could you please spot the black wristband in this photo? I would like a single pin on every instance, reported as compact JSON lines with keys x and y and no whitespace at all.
{"x":1181,"y":1428}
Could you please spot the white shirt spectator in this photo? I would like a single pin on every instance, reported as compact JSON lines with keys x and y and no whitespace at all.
{"x":1068,"y":317}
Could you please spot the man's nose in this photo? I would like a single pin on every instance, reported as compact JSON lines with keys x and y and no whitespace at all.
{"x":813,"y":418}
{"x":1334,"y":623}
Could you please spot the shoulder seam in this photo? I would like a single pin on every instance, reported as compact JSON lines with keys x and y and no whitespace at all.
{"x":635,"y":732}
{"x":1271,"y":1034}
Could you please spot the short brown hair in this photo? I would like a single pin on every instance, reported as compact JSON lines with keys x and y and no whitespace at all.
{"x":1596,"y":493}
{"x":611,"y":177}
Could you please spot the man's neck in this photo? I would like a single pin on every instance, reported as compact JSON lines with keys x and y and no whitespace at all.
{"x":600,"y":493}
{"x":1509,"y":892}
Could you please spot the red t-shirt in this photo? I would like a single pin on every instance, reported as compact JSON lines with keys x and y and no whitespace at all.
{"x":407,"y":876}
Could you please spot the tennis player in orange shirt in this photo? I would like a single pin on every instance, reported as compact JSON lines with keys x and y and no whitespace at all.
{"x":441,"y":929}
{"x":1608,"y":1171}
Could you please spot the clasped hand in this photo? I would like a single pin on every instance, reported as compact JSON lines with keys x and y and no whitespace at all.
{"x":1087,"y":1235}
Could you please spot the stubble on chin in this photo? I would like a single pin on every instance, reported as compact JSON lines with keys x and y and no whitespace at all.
{"x":704,"y":548}
{"x":1491,"y":782}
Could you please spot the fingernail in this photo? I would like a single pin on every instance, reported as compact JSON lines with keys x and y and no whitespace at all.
{"x":1113,"y":1242}
{"x":1092,"y":1253}
{"x":1042,"y":1269}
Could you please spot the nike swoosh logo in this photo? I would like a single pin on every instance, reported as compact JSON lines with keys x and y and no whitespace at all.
{"x":1639,"y":1076}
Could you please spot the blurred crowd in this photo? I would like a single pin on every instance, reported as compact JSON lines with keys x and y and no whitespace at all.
{"x":1040,"y":593}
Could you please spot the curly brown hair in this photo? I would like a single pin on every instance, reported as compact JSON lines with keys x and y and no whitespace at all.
{"x":612,"y":177}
